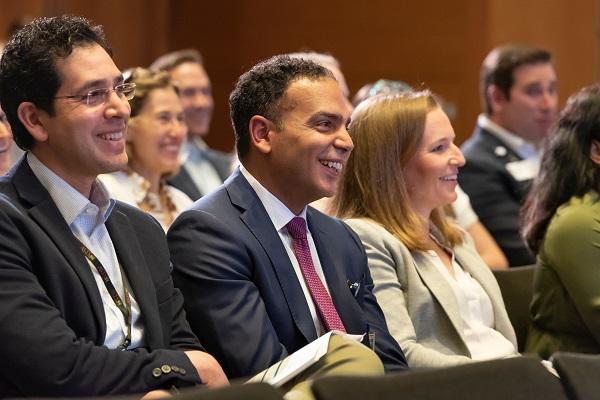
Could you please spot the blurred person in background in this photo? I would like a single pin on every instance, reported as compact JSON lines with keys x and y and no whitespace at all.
{"x":204,"y":169}
{"x":5,"y":143}
{"x":518,"y":89}
{"x":155,"y":133}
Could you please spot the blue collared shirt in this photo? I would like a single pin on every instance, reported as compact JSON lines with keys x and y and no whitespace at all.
{"x":86,"y":218}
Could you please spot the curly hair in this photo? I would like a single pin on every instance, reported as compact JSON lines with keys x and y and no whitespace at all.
{"x":28,"y":65}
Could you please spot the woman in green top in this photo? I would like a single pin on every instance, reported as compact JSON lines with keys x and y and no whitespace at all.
{"x":562,"y":226}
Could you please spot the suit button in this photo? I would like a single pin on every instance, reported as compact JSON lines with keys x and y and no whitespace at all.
{"x":165,"y":369}
{"x":182,"y":371}
{"x":156,"y":372}
{"x":174,"y":368}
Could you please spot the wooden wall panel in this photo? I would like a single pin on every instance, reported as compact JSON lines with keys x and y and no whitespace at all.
{"x":569,"y":29}
{"x":424,"y":44}
{"x":137,"y":29}
{"x":437,"y":44}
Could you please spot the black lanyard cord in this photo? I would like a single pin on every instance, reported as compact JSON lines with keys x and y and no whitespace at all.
{"x":124,"y":307}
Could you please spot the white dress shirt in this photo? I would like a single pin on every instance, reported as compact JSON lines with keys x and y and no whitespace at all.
{"x":86,"y":219}
{"x":280,"y":215}
{"x":203,"y":173}
{"x":526,"y":150}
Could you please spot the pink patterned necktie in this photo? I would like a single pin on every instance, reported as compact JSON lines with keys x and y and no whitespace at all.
{"x":327,"y":312}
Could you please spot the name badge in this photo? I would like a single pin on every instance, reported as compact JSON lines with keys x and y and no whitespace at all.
{"x":523,"y":170}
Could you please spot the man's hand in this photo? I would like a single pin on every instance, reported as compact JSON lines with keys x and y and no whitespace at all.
{"x":208,"y":368}
{"x":156,"y":394}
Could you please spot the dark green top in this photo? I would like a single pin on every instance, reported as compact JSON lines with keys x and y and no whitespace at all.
{"x":565,"y":309}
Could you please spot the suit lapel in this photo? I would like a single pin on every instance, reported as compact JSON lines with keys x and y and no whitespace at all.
{"x":132,"y":261}
{"x":258,"y":222}
{"x":440,"y":289}
{"x":48,"y":217}
{"x":334,"y":275}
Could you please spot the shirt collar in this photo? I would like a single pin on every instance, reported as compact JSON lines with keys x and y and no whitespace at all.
{"x":199,"y":143}
{"x":70,"y":202}
{"x":279,"y":214}
{"x":516,"y":143}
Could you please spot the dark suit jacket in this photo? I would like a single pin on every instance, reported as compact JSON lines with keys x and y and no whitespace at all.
{"x":52,"y":322}
{"x":183,"y":181}
{"x":242,"y":296}
{"x":496,"y":196}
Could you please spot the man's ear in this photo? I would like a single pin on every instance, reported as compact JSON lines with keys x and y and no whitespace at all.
{"x":260,"y":129}
{"x":595,"y":152}
{"x":30,"y":117}
{"x":496,"y":97}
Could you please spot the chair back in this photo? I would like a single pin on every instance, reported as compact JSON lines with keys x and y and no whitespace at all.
{"x":517,"y":378}
{"x":578,"y":374}
{"x":516,"y":285}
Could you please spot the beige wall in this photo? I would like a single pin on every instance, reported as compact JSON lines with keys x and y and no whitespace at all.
{"x":437,"y":44}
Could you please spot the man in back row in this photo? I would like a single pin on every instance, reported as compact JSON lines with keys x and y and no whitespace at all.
{"x":263,"y":274}
{"x":87,"y":303}
{"x":519,"y":95}
{"x":204,"y":169}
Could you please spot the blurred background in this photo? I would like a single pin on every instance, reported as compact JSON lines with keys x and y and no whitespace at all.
{"x":436,"y":44}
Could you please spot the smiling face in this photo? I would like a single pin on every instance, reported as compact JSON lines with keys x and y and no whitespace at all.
{"x":196,"y":96}
{"x":5,"y":143}
{"x":80,"y":141}
{"x":156,"y":134}
{"x":532,"y":107}
{"x":431,"y":173}
{"x":308,"y":153}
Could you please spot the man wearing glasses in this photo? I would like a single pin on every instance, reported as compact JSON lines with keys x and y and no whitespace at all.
{"x":87,"y":305}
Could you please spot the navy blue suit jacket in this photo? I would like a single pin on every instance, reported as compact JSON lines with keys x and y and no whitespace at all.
{"x":52,"y":322}
{"x":242,"y":296}
{"x":496,"y":196}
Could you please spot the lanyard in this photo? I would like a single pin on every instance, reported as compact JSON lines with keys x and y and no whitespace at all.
{"x":124,"y":308}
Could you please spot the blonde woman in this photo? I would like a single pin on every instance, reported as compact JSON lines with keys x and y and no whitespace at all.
{"x":441,"y":301}
{"x":155,"y":133}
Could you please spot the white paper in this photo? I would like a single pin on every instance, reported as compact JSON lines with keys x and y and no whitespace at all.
{"x":284,"y":370}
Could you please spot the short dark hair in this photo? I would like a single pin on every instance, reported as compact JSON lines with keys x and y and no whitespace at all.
{"x":259,"y":91}
{"x":28,"y":65}
{"x":168,"y":61}
{"x":566,"y":169}
{"x":499,"y":66}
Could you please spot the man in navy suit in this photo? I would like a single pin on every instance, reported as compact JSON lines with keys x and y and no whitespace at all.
{"x":518,"y":90}
{"x":234,"y":259}
{"x":87,"y":303}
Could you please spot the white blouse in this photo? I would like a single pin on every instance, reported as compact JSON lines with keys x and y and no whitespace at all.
{"x":132,"y":188}
{"x":476,"y":312}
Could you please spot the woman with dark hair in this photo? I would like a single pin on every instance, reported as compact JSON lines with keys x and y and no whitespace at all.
{"x":561,"y":223}
{"x":440,"y":300}
{"x":155,"y":133}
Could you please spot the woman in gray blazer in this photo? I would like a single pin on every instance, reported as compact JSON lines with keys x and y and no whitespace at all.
{"x":441,"y":302}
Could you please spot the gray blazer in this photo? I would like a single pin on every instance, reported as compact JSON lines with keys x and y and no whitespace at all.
{"x":420,"y":307}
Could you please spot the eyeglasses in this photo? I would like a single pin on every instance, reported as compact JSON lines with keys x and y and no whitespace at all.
{"x":97,"y":97}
